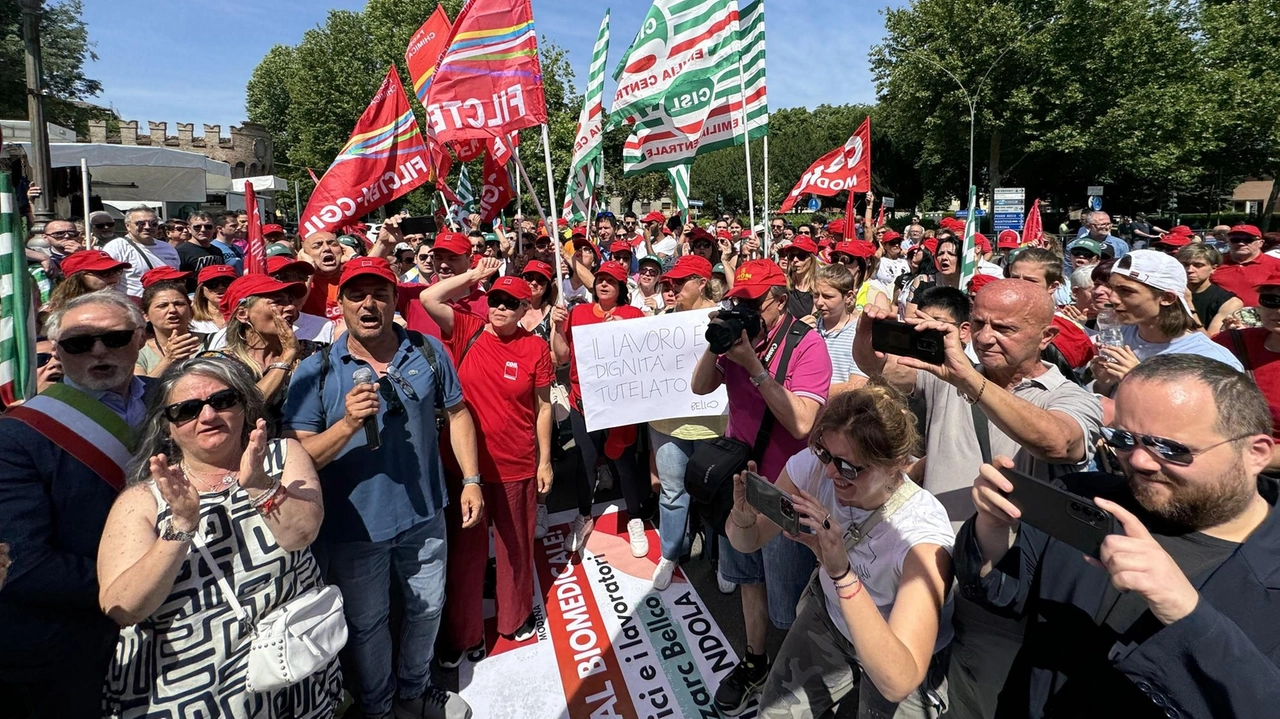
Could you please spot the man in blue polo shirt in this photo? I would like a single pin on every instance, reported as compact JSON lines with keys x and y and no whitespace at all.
{"x":384,"y":505}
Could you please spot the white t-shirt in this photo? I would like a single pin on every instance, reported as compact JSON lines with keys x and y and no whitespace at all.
{"x":569,"y":293}
{"x":1194,"y":343}
{"x":666,"y":247}
{"x":638,"y":298}
{"x":878,"y":558}
{"x":142,"y":258}
{"x":308,"y":327}
{"x":889,"y":269}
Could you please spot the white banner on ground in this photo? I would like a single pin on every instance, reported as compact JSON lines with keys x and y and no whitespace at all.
{"x":639,"y":370}
{"x":607,"y":644}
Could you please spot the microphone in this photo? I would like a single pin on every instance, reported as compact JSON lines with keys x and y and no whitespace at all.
{"x":364,"y":375}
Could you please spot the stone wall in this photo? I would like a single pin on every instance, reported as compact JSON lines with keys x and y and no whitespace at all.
{"x":248,"y":150}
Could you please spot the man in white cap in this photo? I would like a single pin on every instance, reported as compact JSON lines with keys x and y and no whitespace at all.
{"x":101,"y":229}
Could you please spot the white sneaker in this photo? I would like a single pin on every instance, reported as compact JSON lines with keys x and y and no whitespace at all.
{"x":662,"y":575}
{"x":540,"y":522}
{"x":724,"y":585}
{"x":579,"y":532}
{"x":604,"y":478}
{"x":639,"y":542}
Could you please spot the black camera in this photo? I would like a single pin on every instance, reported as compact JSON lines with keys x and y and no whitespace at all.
{"x":728,"y":326}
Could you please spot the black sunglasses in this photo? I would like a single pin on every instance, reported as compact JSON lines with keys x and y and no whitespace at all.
{"x":187,"y":410}
{"x":846,"y":470}
{"x":501,"y":301}
{"x":532,"y":277}
{"x":1270,"y":301}
{"x":80,"y":344}
{"x":43,"y":358}
{"x":202,"y":227}
{"x":1166,"y":450}
{"x":104,"y":225}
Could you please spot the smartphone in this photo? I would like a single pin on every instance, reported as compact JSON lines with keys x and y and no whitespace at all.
{"x":1066,"y":517}
{"x":418,"y":225}
{"x":900,"y":338}
{"x":774,"y":504}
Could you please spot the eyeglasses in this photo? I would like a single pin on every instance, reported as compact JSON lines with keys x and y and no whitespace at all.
{"x":104,"y":225}
{"x":649,"y":270}
{"x":806,"y":233}
{"x":80,"y":344}
{"x":500,"y":301}
{"x":146,"y":223}
{"x":799,"y":255}
{"x":187,"y":410}
{"x":542,"y":244}
{"x":533,"y":277}
{"x":1083,"y":255}
{"x":1243,"y":239}
{"x":846,"y":470}
{"x":1165,"y":450}
{"x":702,"y":243}
{"x":424,"y":256}
{"x":202,"y":227}
{"x":64,"y":234}
{"x":43,"y":358}
{"x":1270,"y":301}
{"x":220,"y":286}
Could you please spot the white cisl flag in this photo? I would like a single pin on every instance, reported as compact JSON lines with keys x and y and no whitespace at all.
{"x":705,"y":114}
{"x":679,"y":39}
{"x":588,"y":144}
{"x":847,"y":167}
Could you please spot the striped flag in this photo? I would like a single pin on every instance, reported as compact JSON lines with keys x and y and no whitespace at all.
{"x":680,"y":40}
{"x":969,"y":256}
{"x":587,"y":167}
{"x":17,"y":315}
{"x":424,"y":50}
{"x":679,"y":176}
{"x":705,"y":114}
{"x":466,"y":198}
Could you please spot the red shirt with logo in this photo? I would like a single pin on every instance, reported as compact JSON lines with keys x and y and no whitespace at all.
{"x":323,"y":299}
{"x":1243,"y":279}
{"x":591,"y":314}
{"x":416,"y":317}
{"x":500,"y":376}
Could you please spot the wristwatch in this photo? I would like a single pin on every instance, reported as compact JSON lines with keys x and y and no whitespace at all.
{"x":280,"y":366}
{"x":168,"y":533}
{"x":473,"y":479}
{"x":760,"y":378}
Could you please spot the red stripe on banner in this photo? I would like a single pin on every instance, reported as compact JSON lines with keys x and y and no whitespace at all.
{"x":589,"y":671}
{"x":728,"y":19}
{"x":78,"y":446}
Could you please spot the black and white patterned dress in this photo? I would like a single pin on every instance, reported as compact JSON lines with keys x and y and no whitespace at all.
{"x":189,"y":659}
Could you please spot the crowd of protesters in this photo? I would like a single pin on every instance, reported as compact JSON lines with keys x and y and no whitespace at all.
{"x":377,"y":409}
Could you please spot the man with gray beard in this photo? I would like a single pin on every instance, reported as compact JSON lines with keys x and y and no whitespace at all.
{"x":1176,"y":616}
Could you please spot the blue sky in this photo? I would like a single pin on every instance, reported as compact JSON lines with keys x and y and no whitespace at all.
{"x":202,"y":53}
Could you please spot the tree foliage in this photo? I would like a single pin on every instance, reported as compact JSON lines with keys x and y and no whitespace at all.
{"x":64,"y":50}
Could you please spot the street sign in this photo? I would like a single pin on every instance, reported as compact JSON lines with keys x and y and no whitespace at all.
{"x":887,"y":202}
{"x":964,"y":214}
{"x":1008,"y":208}
{"x":1094,"y":191}
{"x":1095,"y":202}
{"x":814,"y":205}
{"x":695,"y":203}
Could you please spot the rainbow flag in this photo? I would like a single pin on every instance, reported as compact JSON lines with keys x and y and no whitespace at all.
{"x":424,"y":50}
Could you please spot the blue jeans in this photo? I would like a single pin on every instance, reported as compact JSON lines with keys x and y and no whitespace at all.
{"x":362,"y":570}
{"x":783,"y":566}
{"x":671,"y":455}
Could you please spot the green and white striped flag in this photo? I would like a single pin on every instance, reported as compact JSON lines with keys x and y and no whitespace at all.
{"x":17,"y":315}
{"x":587,"y":167}
{"x":680,"y":40}
{"x":704,"y":115}
{"x":969,"y":258}
{"x":466,"y":198}
{"x":679,"y":176}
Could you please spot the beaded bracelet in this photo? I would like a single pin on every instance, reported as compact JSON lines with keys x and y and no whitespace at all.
{"x":852,"y":581}
{"x":852,"y":594}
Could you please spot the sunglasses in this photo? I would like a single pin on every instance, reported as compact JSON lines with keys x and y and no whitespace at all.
{"x":1243,"y":239}
{"x":64,"y":235}
{"x":794,"y":255}
{"x":703,"y":243}
{"x":187,"y":410}
{"x":649,"y":270}
{"x":1165,"y":450}
{"x":424,"y":256}
{"x":1083,"y":255}
{"x":604,"y":214}
{"x":202,"y":227}
{"x":1270,"y":301}
{"x":146,"y":223}
{"x":806,"y":233}
{"x":221,"y":286}
{"x":846,"y":470}
{"x":80,"y":344}
{"x":499,"y":301}
{"x":43,"y":358}
{"x":542,"y":244}
{"x":533,"y":277}
{"x":104,"y":225}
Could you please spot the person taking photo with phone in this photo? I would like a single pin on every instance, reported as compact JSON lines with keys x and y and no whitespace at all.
{"x":869,"y":626}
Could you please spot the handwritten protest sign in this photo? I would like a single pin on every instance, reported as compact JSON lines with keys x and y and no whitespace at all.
{"x":639,"y":370}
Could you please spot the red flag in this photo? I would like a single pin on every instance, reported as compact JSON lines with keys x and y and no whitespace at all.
{"x":502,"y":147}
{"x":1032,"y":229}
{"x":441,"y":161}
{"x":255,"y":262}
{"x":497,"y":192}
{"x":468,"y":150}
{"x":489,"y":81}
{"x":425,"y":48}
{"x":880,"y":216}
{"x":847,"y":167}
{"x":385,"y":158}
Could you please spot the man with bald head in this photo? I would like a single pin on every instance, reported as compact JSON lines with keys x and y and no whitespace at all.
{"x":1028,"y":411}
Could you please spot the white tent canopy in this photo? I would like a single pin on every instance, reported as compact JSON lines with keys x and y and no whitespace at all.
{"x":132,"y":172}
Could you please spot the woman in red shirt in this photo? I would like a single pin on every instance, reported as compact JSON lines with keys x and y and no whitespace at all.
{"x":506,"y":375}
{"x":610,"y":288}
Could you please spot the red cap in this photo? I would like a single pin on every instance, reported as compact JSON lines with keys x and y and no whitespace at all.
{"x":1180,"y":230}
{"x":619,"y":246}
{"x":272,"y":230}
{"x":856,"y":248}
{"x":213,"y":272}
{"x":562,"y":222}
{"x":982,"y":242}
{"x":164,"y":273}
{"x":91,"y":261}
{"x":889,"y":236}
{"x":454,"y":242}
{"x":979,"y":281}
{"x":698,"y":233}
{"x":724,"y":235}
{"x":1008,"y":240}
{"x":836,"y":226}
{"x":613,"y":270}
{"x":931,"y":245}
{"x":579,"y":231}
{"x":1172,"y":240}
{"x":1250,"y":230}
{"x":375,"y":266}
{"x":826,"y":242}
{"x":954,"y":224}
{"x":689,"y":266}
{"x":654,"y":216}
{"x":755,"y":277}
{"x":804,"y":244}
{"x":514,"y":286}
{"x":538,"y":267}
{"x":280,"y":263}
{"x":253,"y":285}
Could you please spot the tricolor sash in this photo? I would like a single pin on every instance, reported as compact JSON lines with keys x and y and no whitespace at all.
{"x":82,"y":426}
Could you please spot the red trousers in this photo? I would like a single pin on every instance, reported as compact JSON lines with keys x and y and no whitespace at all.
{"x":510,"y":507}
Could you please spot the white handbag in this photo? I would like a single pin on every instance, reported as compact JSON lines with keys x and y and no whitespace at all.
{"x":293,"y":641}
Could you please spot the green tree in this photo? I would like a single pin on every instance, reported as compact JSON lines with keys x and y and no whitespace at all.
{"x":64,"y":50}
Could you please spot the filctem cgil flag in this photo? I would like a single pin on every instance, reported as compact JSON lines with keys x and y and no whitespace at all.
{"x":587,"y":166}
{"x":846,"y":168}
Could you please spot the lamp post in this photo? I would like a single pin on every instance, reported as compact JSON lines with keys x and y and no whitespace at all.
{"x":42,"y":173}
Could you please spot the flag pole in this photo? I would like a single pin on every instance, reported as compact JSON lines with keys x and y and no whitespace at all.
{"x":764,"y":215}
{"x":746,"y":137}
{"x":84,"y":192}
{"x":552,"y":230}
{"x":553,"y":227}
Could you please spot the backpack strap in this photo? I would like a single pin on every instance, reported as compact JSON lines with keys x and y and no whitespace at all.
{"x":428,"y":353}
{"x":794,"y":332}
{"x":325,"y":362}
{"x":470,"y":343}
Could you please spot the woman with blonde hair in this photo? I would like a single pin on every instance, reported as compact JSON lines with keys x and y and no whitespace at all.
{"x":799,"y":262}
{"x":870,"y":626}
